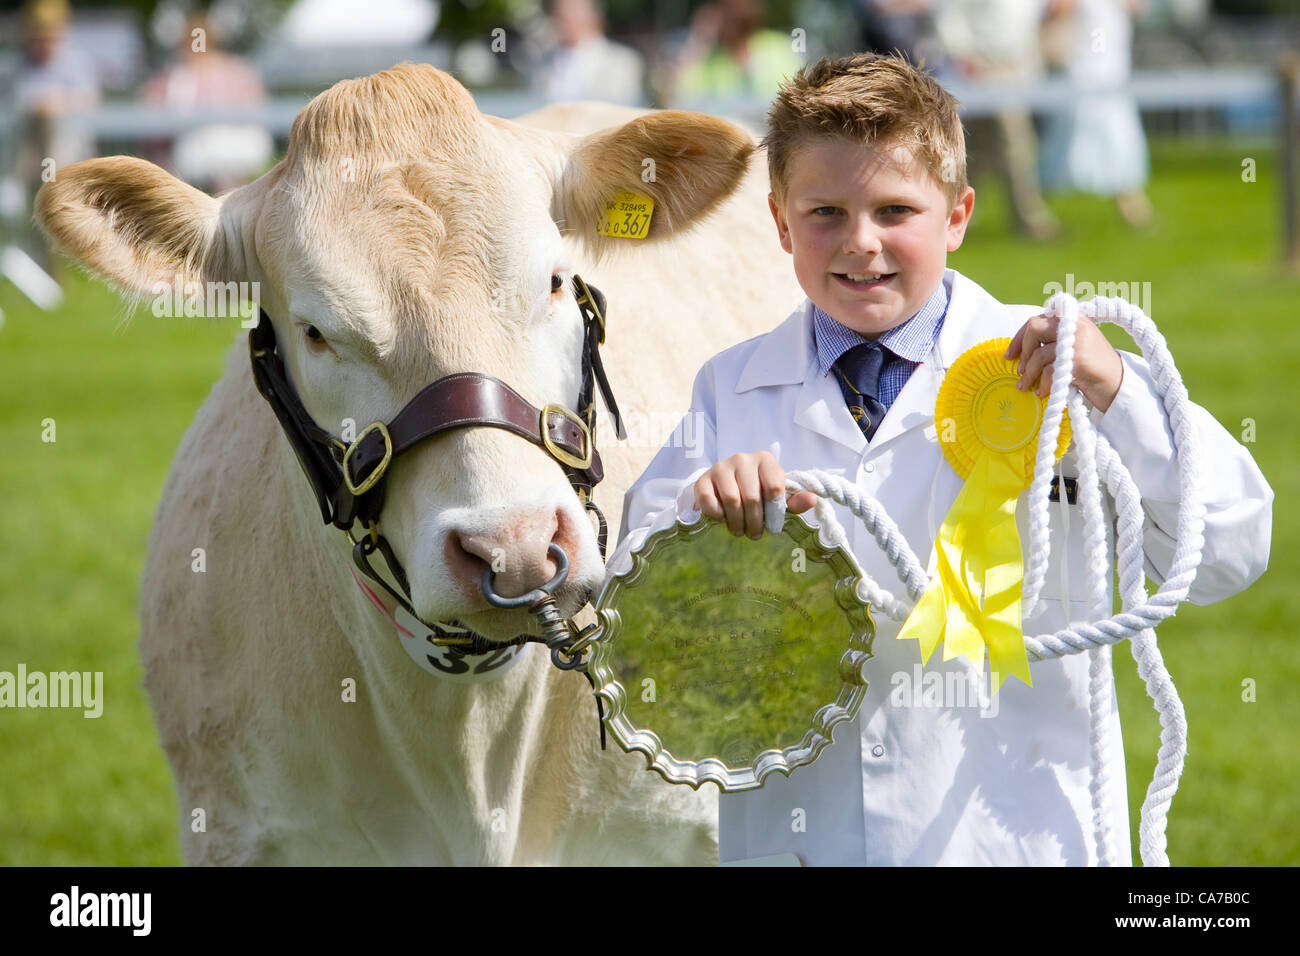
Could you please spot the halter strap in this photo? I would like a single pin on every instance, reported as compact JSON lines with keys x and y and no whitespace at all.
{"x":349,"y":481}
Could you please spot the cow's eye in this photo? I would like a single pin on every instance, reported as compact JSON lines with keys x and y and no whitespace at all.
{"x":556,"y":283}
{"x":314,"y":336}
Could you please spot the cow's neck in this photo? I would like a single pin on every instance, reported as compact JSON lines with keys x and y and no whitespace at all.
{"x":459,"y":759}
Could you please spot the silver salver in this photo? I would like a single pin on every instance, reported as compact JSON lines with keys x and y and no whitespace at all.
{"x":725,"y":659}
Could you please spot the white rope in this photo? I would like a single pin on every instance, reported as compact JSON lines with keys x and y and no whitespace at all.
{"x":828,"y":488}
{"x":1099,"y":706}
{"x":1100,"y":591}
{"x":1140,"y":613}
{"x":1048,"y":434}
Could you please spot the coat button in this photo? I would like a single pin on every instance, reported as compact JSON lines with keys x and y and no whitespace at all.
{"x":877,"y":751}
{"x":869,"y":468}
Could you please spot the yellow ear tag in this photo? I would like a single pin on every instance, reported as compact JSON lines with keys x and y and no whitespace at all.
{"x":627,"y":216}
{"x":988,"y":429}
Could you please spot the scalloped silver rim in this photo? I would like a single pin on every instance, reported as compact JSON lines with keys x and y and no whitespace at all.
{"x":695,"y":773}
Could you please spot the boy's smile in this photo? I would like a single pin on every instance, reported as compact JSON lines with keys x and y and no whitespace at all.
{"x":869,"y":230}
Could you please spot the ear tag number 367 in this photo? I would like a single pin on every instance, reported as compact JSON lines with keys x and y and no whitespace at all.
{"x":627,"y":216}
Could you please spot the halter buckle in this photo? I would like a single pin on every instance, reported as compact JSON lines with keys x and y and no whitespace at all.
{"x":586,"y":298}
{"x":561,"y":454}
{"x":372,"y":529}
{"x":378,"y":472}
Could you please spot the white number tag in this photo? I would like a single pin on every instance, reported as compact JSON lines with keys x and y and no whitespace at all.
{"x":451,"y":662}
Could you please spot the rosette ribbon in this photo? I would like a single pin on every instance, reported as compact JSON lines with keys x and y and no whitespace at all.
{"x":989,"y":433}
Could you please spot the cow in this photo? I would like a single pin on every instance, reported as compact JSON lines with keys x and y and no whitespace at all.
{"x":404,"y":237}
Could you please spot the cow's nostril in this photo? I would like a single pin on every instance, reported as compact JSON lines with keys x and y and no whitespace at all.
{"x":503,"y":557}
{"x":530,"y":599}
{"x":471,"y":549}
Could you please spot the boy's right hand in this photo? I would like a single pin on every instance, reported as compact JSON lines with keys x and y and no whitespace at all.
{"x":734,"y":491}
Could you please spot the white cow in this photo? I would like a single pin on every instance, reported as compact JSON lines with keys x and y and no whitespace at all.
{"x":405,"y":237}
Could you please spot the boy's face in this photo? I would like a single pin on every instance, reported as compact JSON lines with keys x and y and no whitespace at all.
{"x":869,"y":230}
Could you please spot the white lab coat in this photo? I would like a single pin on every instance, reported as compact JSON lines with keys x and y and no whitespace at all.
{"x":932,"y":774}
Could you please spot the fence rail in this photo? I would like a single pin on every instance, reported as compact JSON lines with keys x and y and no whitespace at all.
{"x":1182,"y":89}
{"x":1166,"y":90}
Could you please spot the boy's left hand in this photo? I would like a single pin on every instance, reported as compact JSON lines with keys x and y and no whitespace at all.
{"x":1098,"y":369}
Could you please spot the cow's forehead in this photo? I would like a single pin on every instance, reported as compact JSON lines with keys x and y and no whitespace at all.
{"x":405,"y":157}
{"x":404,"y":111}
{"x":445,"y":215}
{"x":417,"y":212}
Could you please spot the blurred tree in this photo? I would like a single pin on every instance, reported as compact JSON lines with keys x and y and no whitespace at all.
{"x":621,"y":16}
{"x":460,"y":20}
{"x":777,"y":14}
{"x":1256,"y":7}
{"x":252,"y":14}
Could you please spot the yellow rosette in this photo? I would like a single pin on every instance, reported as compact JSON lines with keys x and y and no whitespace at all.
{"x":988,"y":429}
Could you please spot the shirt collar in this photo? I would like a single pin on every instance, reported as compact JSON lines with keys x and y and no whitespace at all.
{"x":912,"y":340}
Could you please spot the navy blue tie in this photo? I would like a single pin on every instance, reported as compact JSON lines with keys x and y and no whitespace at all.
{"x":858,"y":371}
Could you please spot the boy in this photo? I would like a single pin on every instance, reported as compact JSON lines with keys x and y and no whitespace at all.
{"x":867,"y":164}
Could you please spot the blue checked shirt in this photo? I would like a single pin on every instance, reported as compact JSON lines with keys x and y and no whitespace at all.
{"x":907,"y":344}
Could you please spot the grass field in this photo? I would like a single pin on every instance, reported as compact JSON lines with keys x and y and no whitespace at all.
{"x":86,"y":791}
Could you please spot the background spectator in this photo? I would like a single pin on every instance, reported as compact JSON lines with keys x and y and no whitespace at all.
{"x":997,"y":41}
{"x":1096,"y":144}
{"x":582,"y":63}
{"x":203,"y":78}
{"x":729,"y":55}
{"x":54,"y":85}
{"x":905,"y":26}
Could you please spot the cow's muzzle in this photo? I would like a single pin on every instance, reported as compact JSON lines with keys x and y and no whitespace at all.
{"x":557,"y":632}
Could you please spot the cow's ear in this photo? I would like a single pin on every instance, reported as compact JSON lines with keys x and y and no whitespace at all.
{"x":687,"y":163}
{"x":130,"y":222}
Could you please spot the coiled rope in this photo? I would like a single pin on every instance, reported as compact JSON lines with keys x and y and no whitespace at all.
{"x":1140,"y":613}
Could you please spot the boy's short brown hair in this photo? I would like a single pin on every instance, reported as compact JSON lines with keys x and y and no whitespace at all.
{"x":874,"y":100}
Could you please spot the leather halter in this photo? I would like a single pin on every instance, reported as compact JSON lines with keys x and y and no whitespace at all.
{"x":349,"y":480}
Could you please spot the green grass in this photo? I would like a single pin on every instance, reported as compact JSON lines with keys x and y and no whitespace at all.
{"x":79,"y":791}
{"x":75,"y":790}
{"x":1224,"y":304}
